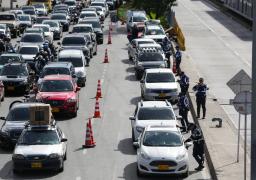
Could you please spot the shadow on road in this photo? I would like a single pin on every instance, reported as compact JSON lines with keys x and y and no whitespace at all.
{"x":131,"y":77}
{"x":125,"y":146}
{"x":130,"y":69}
{"x":135,"y":100}
{"x":126,"y":61}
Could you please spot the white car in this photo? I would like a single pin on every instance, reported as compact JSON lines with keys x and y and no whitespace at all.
{"x":40,"y":147}
{"x":100,"y":12}
{"x":161,"y":150}
{"x":154,"y":31}
{"x":103,"y":5}
{"x":159,"y":84}
{"x":87,"y":14}
{"x":134,"y":45}
{"x":41,"y":10}
{"x":47,"y":31}
{"x":151,"y":113}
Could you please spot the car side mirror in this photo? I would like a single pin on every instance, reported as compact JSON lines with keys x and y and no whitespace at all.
{"x":2,"y":118}
{"x":188,"y":144}
{"x":78,"y":89}
{"x":18,"y":40}
{"x":64,"y":140}
{"x":132,"y":118}
{"x":136,"y":144}
{"x":31,"y":73}
{"x":70,"y":32}
{"x":58,"y":43}
{"x":142,"y":81}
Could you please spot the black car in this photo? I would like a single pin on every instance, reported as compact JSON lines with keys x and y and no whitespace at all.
{"x":95,"y":22}
{"x":16,"y":77}
{"x":14,"y":124}
{"x":62,"y":18}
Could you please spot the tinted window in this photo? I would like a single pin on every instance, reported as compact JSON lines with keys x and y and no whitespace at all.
{"x":16,"y":70}
{"x":44,"y":28}
{"x":159,"y":77}
{"x":58,"y":17}
{"x":79,"y":29}
{"x":2,"y":27}
{"x":70,"y":3}
{"x":39,"y":138}
{"x":40,"y":20}
{"x":87,"y":15}
{"x":28,"y":50}
{"x":77,"y":62}
{"x":32,"y":38}
{"x":7,"y":17}
{"x":24,"y":18}
{"x":161,"y":138}
{"x":150,"y":57}
{"x":73,"y":41}
{"x":51,"y":71}
{"x":30,"y":12}
{"x":95,"y":24}
{"x":18,"y":114}
{"x":139,"y":18}
{"x":97,"y":4}
{"x":56,"y":86}
{"x":38,"y":6}
{"x":6,"y":59}
{"x":155,"y":114}
{"x":154,"y":32}
{"x":51,"y":23}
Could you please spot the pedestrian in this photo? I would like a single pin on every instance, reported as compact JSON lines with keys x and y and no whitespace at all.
{"x":178,"y":57}
{"x":200,"y":90}
{"x":184,"y":82}
{"x":183,"y":105}
{"x":198,"y":142}
{"x":135,"y":32}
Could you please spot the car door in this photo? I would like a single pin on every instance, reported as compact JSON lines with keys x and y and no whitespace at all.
{"x":63,"y":144}
{"x":133,"y":122}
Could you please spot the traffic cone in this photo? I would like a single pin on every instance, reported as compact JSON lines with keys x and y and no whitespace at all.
{"x":111,"y":26}
{"x":98,"y":93}
{"x":90,"y":126}
{"x":109,"y":37}
{"x":89,"y":142}
{"x":174,"y":70}
{"x":97,"y":109}
{"x":106,"y":57}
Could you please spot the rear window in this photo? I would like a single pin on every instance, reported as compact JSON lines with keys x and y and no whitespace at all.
{"x":77,"y":62}
{"x":18,"y":114}
{"x":155,"y":114}
{"x":32,"y":38}
{"x":28,"y":50}
{"x":52,"y":71}
{"x":73,"y":41}
{"x":7,"y":17}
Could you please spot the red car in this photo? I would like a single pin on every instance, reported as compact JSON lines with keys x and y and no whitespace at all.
{"x":1,"y":91}
{"x":61,"y":92}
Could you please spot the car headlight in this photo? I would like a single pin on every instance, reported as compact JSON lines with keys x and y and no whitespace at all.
{"x":18,"y":156}
{"x":144,"y":156}
{"x":139,"y":129}
{"x":180,"y":157}
{"x":70,"y":100}
{"x":54,"y":156}
{"x":80,"y":74}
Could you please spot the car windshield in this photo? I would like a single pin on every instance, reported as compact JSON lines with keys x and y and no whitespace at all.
{"x":51,"y":23}
{"x":81,"y":29}
{"x":51,"y":71}
{"x":14,"y":70}
{"x":95,"y":24}
{"x":155,"y":113}
{"x":139,"y":18}
{"x":162,"y":139}
{"x":30,"y":12}
{"x":83,"y":15}
{"x":18,"y":114}
{"x":38,"y":6}
{"x":147,"y":56}
{"x":56,"y":86}
{"x":24,"y":18}
{"x":44,"y":28}
{"x":160,"y":78}
{"x":39,"y":20}
{"x":58,"y":17}
{"x":6,"y":59}
{"x":7,"y":17}
{"x":73,"y":41}
{"x":77,"y":62}
{"x":154,"y":32}
{"x":97,"y":4}
{"x":28,"y":50}
{"x":70,"y":3}
{"x":37,"y":137}
{"x":34,"y":38}
{"x":33,"y":30}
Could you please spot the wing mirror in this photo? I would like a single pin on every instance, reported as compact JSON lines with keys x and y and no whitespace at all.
{"x":132,"y":118}
{"x":78,"y":89}
{"x":3,"y":118}
{"x":142,"y":81}
{"x":136,"y":144}
{"x":188,"y":144}
{"x":58,"y":43}
{"x":64,"y":140}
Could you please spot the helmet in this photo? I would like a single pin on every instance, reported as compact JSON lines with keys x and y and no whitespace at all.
{"x":201,"y":80}
{"x":182,"y":73}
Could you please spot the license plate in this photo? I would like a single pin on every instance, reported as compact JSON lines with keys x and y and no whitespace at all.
{"x":36,"y":165}
{"x":163,"y":167}
{"x":10,"y":88}
{"x":162,"y":95}
{"x":55,"y":110}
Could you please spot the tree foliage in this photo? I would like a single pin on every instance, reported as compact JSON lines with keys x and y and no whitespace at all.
{"x":156,"y":7}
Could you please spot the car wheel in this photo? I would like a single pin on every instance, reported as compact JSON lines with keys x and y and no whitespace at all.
{"x":142,"y":95}
{"x":185,"y":175}
{"x":133,"y":136}
{"x":65,"y":156}
{"x":2,"y":99}
{"x":61,"y":169}
{"x":139,"y":174}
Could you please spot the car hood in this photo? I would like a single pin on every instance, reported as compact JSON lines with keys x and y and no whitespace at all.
{"x":144,"y":123}
{"x":163,"y":152}
{"x":26,"y":22}
{"x":161,"y":85}
{"x":55,"y":95}
{"x":28,"y":57}
{"x":13,"y":78}
{"x":38,"y":149}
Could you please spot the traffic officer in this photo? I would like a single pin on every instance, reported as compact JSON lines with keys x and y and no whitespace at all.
{"x":135,"y":32}
{"x":184,"y":82}
{"x":178,"y":57}
{"x":198,"y":142}
{"x":200,"y":90}
{"x":183,"y":105}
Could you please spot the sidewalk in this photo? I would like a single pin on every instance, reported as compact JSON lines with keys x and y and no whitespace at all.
{"x":221,"y":142}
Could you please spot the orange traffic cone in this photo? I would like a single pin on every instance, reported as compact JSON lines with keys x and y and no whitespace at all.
{"x":97,"y":109}
{"x":174,"y":70}
{"x":106,"y":57}
{"x":109,"y":37}
{"x":89,"y":142}
{"x":98,"y":93}
{"x":90,"y":126}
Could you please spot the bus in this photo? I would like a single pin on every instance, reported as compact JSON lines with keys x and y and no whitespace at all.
{"x":47,"y":3}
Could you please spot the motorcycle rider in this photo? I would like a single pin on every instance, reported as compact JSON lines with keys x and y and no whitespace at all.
{"x":47,"y":50}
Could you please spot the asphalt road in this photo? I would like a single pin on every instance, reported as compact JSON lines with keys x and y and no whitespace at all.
{"x":113,"y":157}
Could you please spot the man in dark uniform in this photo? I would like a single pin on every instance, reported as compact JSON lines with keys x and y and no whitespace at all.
{"x":184,"y":82}
{"x":135,"y":32}
{"x":198,"y":141}
{"x":200,"y":90}
{"x":183,"y":105}
{"x":178,"y":57}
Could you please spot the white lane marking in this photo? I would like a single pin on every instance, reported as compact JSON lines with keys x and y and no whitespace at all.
{"x":115,"y":165}
{"x":84,"y":151}
{"x":78,"y":178}
{"x":216,"y":34}
{"x":103,"y":74}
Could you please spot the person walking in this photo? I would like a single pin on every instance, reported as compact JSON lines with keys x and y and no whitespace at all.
{"x":184,"y":82}
{"x":183,"y":105}
{"x":200,"y":90}
{"x":198,"y":142}
{"x":178,"y":57}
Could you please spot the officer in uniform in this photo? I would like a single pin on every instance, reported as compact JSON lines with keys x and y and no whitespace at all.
{"x":178,"y":56}
{"x":200,"y":90}
{"x":183,"y":105}
{"x":135,"y":32}
{"x":198,"y":141}
{"x":184,"y":82}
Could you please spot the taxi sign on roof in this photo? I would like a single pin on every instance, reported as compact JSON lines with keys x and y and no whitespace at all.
{"x":40,"y":115}
{"x":240,"y":82}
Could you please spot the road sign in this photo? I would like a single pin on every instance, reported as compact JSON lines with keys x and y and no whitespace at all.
{"x":240,"y":82}
{"x":243,"y":103}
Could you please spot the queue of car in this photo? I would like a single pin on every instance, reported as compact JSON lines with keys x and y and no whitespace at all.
{"x":38,"y":146}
